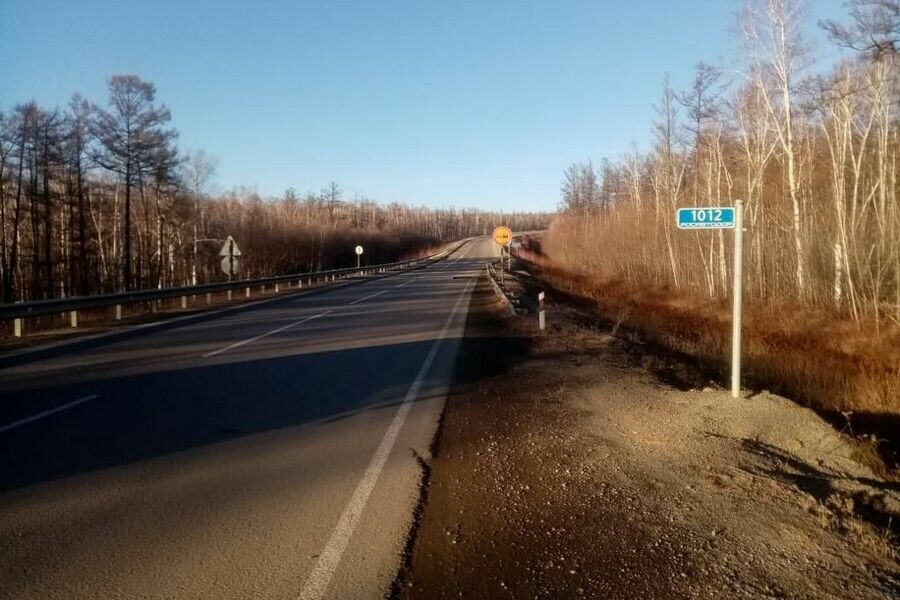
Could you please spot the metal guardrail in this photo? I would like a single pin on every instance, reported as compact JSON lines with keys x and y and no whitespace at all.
{"x":498,"y":291}
{"x":36,"y":308}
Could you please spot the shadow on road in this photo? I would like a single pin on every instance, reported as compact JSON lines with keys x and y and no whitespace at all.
{"x":151,"y":414}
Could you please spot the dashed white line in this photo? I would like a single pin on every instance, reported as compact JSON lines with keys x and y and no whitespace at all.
{"x":322,"y":572}
{"x":47,"y":413}
{"x":364,"y":298}
{"x":409,"y":282}
{"x":267,"y":334}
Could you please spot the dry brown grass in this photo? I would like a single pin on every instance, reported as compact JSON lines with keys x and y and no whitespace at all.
{"x":809,"y":355}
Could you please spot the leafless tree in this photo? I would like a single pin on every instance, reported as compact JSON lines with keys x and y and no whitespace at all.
{"x":134,"y":140}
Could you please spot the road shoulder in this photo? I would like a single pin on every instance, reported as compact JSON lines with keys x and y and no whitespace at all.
{"x":566,"y":469}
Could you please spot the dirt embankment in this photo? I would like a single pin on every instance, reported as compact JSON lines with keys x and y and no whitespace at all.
{"x":569,"y":469}
{"x":848,"y":371}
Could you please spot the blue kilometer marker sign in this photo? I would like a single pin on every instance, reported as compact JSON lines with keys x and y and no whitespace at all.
{"x":711,"y":217}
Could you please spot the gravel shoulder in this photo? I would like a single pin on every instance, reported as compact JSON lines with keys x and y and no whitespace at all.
{"x":567,"y":468}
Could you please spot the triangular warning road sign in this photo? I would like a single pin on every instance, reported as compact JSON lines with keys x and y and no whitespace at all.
{"x":230,"y":248}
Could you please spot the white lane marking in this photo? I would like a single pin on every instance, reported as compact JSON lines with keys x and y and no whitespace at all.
{"x":300,"y":294}
{"x":47,"y":413}
{"x":322,"y":572}
{"x":263,"y":335}
{"x":410,"y":281}
{"x":364,"y":298}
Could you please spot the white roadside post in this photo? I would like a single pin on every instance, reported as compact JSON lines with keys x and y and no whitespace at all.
{"x":725,"y":217}
{"x":542,"y":319}
{"x":736,"y":301}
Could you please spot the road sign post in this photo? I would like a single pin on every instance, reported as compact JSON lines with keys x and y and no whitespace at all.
{"x":502,"y":237}
{"x":737,"y":300}
{"x":725,"y":217}
{"x":359,"y":253}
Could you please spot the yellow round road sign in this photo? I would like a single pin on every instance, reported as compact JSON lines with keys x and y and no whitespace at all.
{"x":502,"y":235}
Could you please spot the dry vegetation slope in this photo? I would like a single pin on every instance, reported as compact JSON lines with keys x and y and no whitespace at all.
{"x":814,"y":357}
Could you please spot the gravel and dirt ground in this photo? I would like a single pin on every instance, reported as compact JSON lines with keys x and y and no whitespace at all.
{"x":569,"y":468}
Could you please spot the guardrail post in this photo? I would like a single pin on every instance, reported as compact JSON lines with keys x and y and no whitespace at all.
{"x":184,"y":302}
{"x":299,"y":284}
{"x":248,"y":291}
{"x":118,"y":312}
{"x":208,"y":298}
{"x":73,"y":318}
{"x":262,"y":289}
{"x":229,"y":295}
{"x":17,"y":327}
{"x":276,"y":287}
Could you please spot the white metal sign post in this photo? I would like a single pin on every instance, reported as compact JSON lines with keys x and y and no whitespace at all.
{"x":736,"y":301}
{"x":359,"y":253}
{"x":725,"y":217}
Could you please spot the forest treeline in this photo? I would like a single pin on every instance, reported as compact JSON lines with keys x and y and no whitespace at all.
{"x":813,"y":151}
{"x":98,"y":199}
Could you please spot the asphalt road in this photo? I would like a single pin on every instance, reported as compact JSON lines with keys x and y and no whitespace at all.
{"x":262,"y":453}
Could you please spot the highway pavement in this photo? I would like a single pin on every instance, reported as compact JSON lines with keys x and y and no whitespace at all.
{"x":271,"y":452}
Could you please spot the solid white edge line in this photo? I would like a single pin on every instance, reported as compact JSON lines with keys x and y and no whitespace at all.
{"x":47,"y":413}
{"x":320,"y":577}
{"x":263,"y":335}
{"x":364,"y":298}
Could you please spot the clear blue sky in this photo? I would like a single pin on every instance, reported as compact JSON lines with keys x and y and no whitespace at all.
{"x":429,"y":102}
